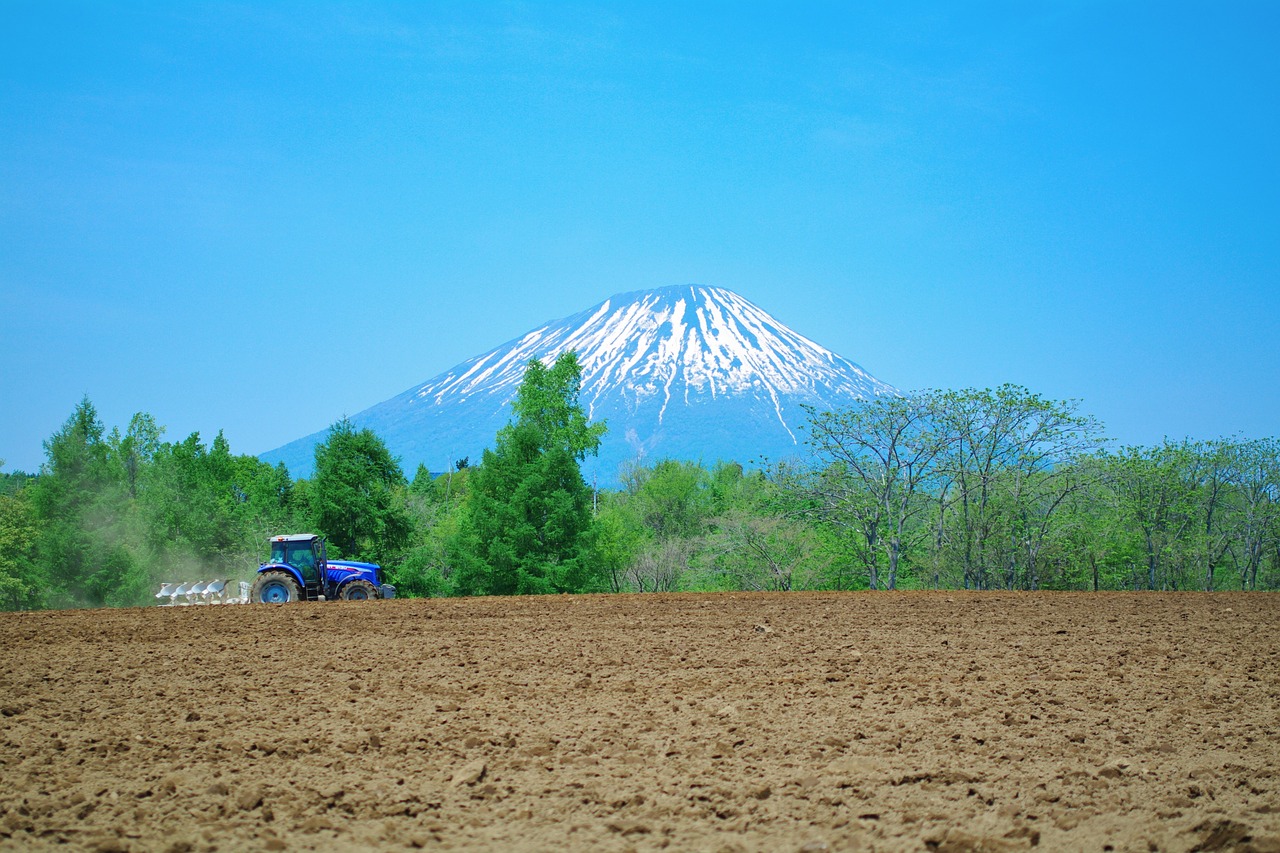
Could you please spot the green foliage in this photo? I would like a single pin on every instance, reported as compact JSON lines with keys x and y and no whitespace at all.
{"x":616,"y":542}
{"x":206,"y":512}
{"x":978,"y":488}
{"x":435,"y":507}
{"x":527,"y":523}
{"x":72,"y":500}
{"x":120,"y":579}
{"x":1194,"y":509}
{"x":528,"y":520}
{"x":760,"y":541}
{"x":132,"y":452}
{"x":1009,"y":460}
{"x":357,"y":496}
{"x":650,"y":531}
{"x":985,"y":489}
{"x":547,"y":405}
{"x":874,"y":461}
{"x":420,"y":574}
{"x":13,"y":482}
{"x":670,"y":499}
{"x":21,"y":579}
{"x":115,"y":514}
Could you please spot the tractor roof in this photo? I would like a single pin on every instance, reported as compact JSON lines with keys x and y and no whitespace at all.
{"x":295,"y":537}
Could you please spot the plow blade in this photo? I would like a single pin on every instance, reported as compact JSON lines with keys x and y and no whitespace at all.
{"x":203,"y":592}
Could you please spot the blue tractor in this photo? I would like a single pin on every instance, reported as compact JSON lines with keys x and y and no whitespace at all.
{"x":299,"y":570}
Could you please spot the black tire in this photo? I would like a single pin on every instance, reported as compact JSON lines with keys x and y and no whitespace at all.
{"x":275,"y":588}
{"x":358,"y":590}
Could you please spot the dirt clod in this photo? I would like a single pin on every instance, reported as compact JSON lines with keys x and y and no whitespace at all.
{"x":1221,"y":835}
{"x":249,"y":798}
{"x":469,"y":774}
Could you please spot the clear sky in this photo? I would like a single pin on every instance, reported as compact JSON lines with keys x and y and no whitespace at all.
{"x":258,"y":217}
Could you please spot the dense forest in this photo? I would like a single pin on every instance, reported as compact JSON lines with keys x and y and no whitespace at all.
{"x":977,"y":489}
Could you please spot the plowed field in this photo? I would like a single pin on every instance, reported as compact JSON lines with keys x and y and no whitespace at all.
{"x":898,"y":721}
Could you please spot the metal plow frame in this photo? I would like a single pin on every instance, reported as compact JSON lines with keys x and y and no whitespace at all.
{"x":203,"y":592}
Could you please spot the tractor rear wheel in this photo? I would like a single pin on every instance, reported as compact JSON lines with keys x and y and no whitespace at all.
{"x":275,"y":588}
{"x":358,"y":591}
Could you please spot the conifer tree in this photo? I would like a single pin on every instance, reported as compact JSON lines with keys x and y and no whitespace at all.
{"x":528,"y":522}
{"x":357,"y":494}
{"x":65,"y":496}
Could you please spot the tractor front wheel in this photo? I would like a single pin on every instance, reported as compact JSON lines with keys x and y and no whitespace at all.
{"x":275,"y":588}
{"x":358,"y":591}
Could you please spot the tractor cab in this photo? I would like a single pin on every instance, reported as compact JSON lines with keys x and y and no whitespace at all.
{"x":305,"y":554}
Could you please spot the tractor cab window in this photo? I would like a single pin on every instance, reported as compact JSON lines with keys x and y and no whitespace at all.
{"x":302,"y":557}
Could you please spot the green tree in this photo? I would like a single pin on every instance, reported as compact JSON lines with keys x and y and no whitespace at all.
{"x":1154,"y":500}
{"x":547,"y":402}
{"x":206,"y":512}
{"x":435,"y":511}
{"x":186,"y":495}
{"x":875,"y":459}
{"x":357,"y":495}
{"x":618,"y":539}
{"x":760,"y":541}
{"x":1093,"y":548}
{"x":116,"y":513}
{"x":527,"y":524}
{"x":648,"y":532}
{"x":1215,"y":480}
{"x":12,"y":482}
{"x":1258,"y":507}
{"x":72,"y":505}
{"x":21,"y":580}
{"x":134,"y":450}
{"x":673,"y":498}
{"x":1008,"y":467}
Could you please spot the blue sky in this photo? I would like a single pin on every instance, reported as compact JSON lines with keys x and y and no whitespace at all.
{"x":258,"y":217}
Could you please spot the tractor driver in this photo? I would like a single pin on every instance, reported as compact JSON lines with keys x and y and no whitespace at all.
{"x":304,"y":560}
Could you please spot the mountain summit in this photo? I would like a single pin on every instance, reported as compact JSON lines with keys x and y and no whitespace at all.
{"x":687,"y":372}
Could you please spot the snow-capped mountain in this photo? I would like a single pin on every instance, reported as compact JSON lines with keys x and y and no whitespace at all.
{"x":687,"y":372}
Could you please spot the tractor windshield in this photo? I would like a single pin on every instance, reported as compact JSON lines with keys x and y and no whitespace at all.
{"x":300,"y":555}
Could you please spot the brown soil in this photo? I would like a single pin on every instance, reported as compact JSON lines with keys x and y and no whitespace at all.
{"x":898,"y":721}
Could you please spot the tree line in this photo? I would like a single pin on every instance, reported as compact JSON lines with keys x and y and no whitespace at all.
{"x":1005,"y":489}
{"x":977,"y":489}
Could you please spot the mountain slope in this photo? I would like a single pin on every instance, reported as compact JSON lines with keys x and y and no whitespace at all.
{"x":689,"y":372}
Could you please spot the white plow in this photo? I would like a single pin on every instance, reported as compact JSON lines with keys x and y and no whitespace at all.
{"x":203,"y":592}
